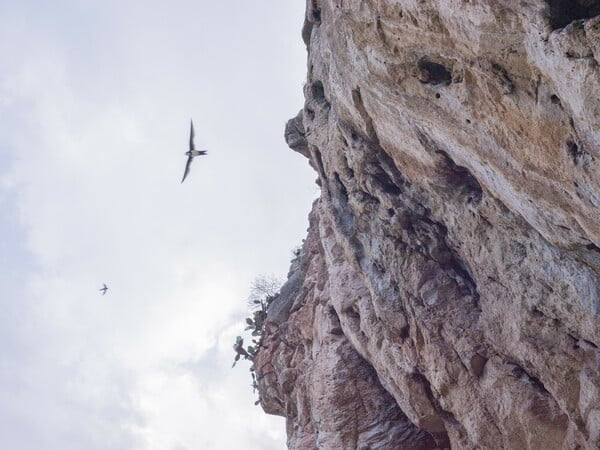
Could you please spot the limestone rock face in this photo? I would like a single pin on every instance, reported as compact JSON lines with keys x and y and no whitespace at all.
{"x":448,"y":292}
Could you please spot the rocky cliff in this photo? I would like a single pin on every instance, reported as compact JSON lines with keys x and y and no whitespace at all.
{"x":448,"y":292}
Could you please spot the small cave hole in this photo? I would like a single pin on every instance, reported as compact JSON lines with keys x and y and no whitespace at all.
{"x":468,"y":121}
{"x":386,"y":184}
{"x":593,"y":247}
{"x":437,"y":95}
{"x":316,"y":12}
{"x":433,"y":73}
{"x":317,"y":90}
{"x":317,"y":15}
{"x":554,"y":99}
{"x":404,"y":332}
{"x":563,"y":12}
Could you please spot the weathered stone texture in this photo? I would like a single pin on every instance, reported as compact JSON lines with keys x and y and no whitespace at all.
{"x":448,"y":292}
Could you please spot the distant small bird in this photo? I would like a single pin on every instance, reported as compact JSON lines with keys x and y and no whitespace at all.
{"x":104,"y":288}
{"x":192,"y":152}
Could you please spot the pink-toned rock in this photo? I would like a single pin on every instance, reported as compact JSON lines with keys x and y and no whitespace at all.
{"x":448,"y":291}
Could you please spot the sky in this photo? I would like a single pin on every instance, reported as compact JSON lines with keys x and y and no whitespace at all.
{"x":95,"y":103}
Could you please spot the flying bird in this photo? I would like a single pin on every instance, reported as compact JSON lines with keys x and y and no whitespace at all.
{"x":104,"y":288}
{"x":192,"y":152}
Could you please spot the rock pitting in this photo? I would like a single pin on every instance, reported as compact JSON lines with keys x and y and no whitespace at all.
{"x":448,"y":292}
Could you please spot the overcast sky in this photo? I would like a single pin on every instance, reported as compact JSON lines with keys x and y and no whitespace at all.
{"x":95,"y":102}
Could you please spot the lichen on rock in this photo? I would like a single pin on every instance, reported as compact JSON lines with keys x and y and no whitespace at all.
{"x":448,"y":291}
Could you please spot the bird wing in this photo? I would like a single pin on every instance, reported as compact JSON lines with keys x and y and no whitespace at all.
{"x":187,"y":168}
{"x":192,"y":147}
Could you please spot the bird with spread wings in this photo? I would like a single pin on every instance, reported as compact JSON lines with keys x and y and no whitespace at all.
{"x":192,"y":152}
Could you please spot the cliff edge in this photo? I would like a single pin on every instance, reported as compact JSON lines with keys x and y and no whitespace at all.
{"x":447,"y":294}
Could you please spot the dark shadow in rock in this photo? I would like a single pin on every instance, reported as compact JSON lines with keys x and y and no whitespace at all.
{"x":459,"y":177}
{"x":449,"y":175}
{"x":563,"y":12}
{"x":578,"y":154}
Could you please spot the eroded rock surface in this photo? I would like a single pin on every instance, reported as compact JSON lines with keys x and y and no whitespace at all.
{"x":448,"y":291}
